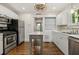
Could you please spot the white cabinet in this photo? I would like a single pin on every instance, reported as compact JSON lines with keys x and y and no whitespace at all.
{"x":8,"y":12}
{"x":47,"y":36}
{"x":58,"y":19}
{"x":62,"y":18}
{"x":53,"y":36}
{"x":1,"y":43}
{"x":61,"y":40}
{"x":21,"y":31}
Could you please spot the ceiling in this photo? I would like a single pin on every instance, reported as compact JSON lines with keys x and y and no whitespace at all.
{"x":19,"y":8}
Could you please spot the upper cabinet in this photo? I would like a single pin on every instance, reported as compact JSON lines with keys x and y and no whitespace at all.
{"x":68,"y":17}
{"x":62,"y":18}
{"x":8,"y":12}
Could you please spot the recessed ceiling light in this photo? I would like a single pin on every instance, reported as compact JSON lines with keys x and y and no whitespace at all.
{"x":54,"y":8}
{"x":23,"y":8}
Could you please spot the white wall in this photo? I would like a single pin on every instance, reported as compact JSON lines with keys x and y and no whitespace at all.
{"x":8,"y":12}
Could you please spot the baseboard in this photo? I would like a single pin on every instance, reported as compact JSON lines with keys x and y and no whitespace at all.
{"x":57,"y":47}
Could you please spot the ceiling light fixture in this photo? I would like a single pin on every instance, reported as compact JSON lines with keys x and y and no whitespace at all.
{"x":39,"y":6}
{"x":23,"y":8}
{"x":54,"y":8}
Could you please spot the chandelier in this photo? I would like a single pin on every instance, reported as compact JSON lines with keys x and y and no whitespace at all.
{"x":40,"y":7}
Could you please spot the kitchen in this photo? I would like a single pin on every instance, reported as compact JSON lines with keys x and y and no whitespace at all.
{"x":40,"y":29}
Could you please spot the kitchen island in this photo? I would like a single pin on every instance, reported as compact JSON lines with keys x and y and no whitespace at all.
{"x":36,"y":43}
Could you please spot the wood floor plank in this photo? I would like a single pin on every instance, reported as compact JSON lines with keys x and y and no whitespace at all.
{"x":48,"y":49}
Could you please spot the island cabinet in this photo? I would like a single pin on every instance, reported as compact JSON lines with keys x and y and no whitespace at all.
{"x":36,"y":44}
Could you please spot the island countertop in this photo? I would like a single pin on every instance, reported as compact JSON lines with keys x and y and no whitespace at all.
{"x":36,"y":33}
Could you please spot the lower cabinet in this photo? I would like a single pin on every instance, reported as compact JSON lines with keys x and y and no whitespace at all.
{"x":61,"y":40}
{"x":1,"y":44}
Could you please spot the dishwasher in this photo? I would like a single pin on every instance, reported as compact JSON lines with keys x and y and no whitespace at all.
{"x":73,"y":46}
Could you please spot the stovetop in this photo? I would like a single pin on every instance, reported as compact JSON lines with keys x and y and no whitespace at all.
{"x":6,"y":33}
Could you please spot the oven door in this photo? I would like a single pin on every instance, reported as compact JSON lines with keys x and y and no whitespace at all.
{"x":10,"y":40}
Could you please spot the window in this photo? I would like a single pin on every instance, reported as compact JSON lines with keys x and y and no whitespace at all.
{"x":50,"y":23}
{"x":75,"y":16}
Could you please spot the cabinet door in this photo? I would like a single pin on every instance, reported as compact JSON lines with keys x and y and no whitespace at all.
{"x":63,"y":43}
{"x":61,"y":40}
{"x":1,"y":44}
{"x":62,"y":18}
{"x":59,"y":19}
{"x":21,"y":35}
{"x":53,"y":37}
{"x":21,"y":31}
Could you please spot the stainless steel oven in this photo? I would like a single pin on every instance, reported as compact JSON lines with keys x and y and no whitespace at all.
{"x":9,"y":42}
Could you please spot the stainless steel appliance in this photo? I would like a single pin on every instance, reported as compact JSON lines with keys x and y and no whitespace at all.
{"x":73,"y":46}
{"x":9,"y":41}
{"x":9,"y":29}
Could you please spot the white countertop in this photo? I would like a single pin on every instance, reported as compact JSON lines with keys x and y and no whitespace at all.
{"x":73,"y":35}
{"x":36,"y":33}
{"x":76,"y":36}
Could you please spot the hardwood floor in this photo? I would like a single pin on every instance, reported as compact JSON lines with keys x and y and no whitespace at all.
{"x":48,"y":49}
